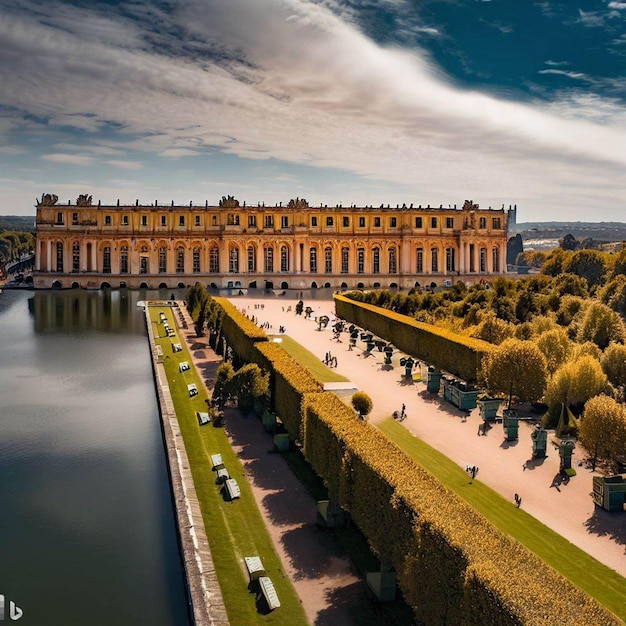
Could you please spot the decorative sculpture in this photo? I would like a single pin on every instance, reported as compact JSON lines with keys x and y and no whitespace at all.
{"x":84,"y":200}
{"x":298,"y":203}
{"x":229,"y":202}
{"x":47,"y":199}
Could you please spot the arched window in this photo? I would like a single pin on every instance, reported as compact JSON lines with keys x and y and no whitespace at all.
{"x":328,"y":260}
{"x":196,"y":260}
{"x":180,"y":260}
{"x":268,"y":255}
{"x":124,"y":260}
{"x":360,"y":260}
{"x":434,"y":260}
{"x":106,"y":260}
{"x":251,"y":259}
{"x":313,"y":259}
{"x":345,"y":260}
{"x":233,"y":260}
{"x":214,"y":260}
{"x":450,"y":264}
{"x":419,"y":261}
{"x":59,"y":256}
{"x":483,"y":260}
{"x":144,"y":260}
{"x":393,"y":261}
{"x":76,"y":256}
{"x":495,"y":259}
{"x":284,"y":259}
{"x":162,"y":260}
{"x":376,"y":261}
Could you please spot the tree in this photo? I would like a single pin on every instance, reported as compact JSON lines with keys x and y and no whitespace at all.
{"x":614,"y":364}
{"x":613,"y":294}
{"x":619,"y":262}
{"x":569,"y":242}
{"x":493,"y":330}
{"x":556,"y":261}
{"x":601,"y":325}
{"x":221,"y":390}
{"x":576,"y":382}
{"x":571,"y":284}
{"x":249,"y":384}
{"x":362,"y":403}
{"x":590,"y":265}
{"x":556,"y":346}
{"x":517,"y":368}
{"x":602,"y":431}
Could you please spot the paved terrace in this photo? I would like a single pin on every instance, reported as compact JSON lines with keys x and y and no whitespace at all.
{"x":567,"y":509}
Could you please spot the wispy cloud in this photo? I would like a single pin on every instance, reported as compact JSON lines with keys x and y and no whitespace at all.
{"x":69,"y":159}
{"x":125,"y":165}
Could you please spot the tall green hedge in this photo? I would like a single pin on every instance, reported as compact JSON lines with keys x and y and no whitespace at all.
{"x":451,"y":352}
{"x":240,"y":332}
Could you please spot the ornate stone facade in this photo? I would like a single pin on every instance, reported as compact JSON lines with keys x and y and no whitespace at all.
{"x":295,"y":246}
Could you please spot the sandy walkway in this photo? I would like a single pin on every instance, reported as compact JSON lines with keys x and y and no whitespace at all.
{"x":567,"y":509}
{"x":326,"y":582}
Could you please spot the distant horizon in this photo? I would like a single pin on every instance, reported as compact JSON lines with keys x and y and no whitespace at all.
{"x":348,"y":101}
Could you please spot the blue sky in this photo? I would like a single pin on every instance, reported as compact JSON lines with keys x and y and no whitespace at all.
{"x":356,"y":101}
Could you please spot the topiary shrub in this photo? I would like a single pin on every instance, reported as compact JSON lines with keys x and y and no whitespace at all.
{"x":362,"y":404}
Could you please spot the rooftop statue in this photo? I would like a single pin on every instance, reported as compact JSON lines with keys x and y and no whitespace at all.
{"x":83,"y":200}
{"x":47,"y":199}
{"x":298,"y":203}
{"x":229,"y":202}
{"x":469,"y":205}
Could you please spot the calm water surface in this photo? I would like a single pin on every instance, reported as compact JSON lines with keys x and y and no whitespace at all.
{"x":87,"y":531}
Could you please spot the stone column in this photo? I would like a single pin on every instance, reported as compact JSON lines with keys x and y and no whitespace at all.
{"x":405,"y":257}
{"x":462,"y":257}
{"x":49,"y":256}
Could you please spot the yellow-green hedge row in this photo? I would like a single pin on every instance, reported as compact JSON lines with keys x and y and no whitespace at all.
{"x":453,"y":566}
{"x":240,"y":332}
{"x":454,"y":353}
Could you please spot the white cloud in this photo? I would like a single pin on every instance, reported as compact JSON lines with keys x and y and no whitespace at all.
{"x":617,"y":5}
{"x":574,"y":75}
{"x":178,"y":152}
{"x":69,"y":159}
{"x":125,"y":165}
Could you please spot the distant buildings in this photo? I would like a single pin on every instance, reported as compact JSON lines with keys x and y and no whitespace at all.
{"x":295,"y":246}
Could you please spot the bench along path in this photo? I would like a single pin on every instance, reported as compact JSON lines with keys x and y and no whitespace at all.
{"x":327,"y":585}
{"x":569,"y":512}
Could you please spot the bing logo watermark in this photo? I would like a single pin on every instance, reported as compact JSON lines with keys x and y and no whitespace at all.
{"x":14,"y":611}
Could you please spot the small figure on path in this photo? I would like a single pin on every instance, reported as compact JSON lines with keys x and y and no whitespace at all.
{"x":518,"y":500}
{"x":403,"y":412}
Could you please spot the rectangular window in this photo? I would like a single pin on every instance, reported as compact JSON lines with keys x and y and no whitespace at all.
{"x":433,"y":222}
{"x":328,"y":261}
{"x":75,"y":219}
{"x":124,"y":220}
{"x":313,"y":260}
{"x":232,"y":219}
{"x":284,"y":221}
{"x":393,"y":222}
{"x":345,"y":257}
{"x":361,"y":222}
{"x":124,"y":260}
{"x":418,"y":222}
{"x":214,"y":260}
{"x":213,"y":220}
{"x":419,"y":266}
{"x":434,"y":261}
{"x":496,"y":223}
{"x":143,"y":265}
{"x":268,"y":254}
{"x":59,"y":218}
{"x":360,"y":260}
{"x":106,"y":260}
{"x":251,"y":221}
{"x":144,"y":220}
{"x":377,"y":222}
{"x":162,"y":260}
{"x":251,"y":259}
{"x":284,"y":259}
{"x":233,"y":261}
{"x":163,"y":220}
{"x":269,"y":221}
{"x":449,"y":222}
{"x":196,"y":260}
{"x":181,"y":220}
{"x":346,"y":221}
{"x":180,"y":261}
{"x":107,"y":220}
{"x":482,"y":222}
{"x":450,"y":260}
{"x":76,"y":257}
{"x":483,"y":260}
{"x":314,"y":221}
{"x":329,"y":221}
{"x":393,"y":261}
{"x":376,"y":261}
{"x":197,"y":222}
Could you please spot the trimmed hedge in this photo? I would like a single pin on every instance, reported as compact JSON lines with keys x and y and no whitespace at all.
{"x":240,"y":332}
{"x":453,"y":566}
{"x":448,"y":351}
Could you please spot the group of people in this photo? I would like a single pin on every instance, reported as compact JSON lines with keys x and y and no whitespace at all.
{"x":330,"y":360}
{"x":472,"y":470}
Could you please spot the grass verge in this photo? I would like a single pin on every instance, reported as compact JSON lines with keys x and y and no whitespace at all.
{"x":599,"y":581}
{"x":234,"y":529}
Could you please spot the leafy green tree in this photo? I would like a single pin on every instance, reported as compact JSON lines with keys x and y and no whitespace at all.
{"x":517,"y":368}
{"x":570,"y":307}
{"x":362,"y":403}
{"x":602,"y":431}
{"x":248,"y":385}
{"x":601,"y":325}
{"x":556,"y":346}
{"x":575,"y":382}
{"x":588,"y":348}
{"x":571,"y":284}
{"x":613,"y":294}
{"x":556,"y":262}
{"x":614,"y":364}
{"x":221,"y":389}
{"x":619,"y":262}
{"x":590,"y":265}
{"x":493,"y":330}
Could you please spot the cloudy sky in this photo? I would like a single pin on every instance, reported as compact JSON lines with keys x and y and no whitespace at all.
{"x":351,"y":101}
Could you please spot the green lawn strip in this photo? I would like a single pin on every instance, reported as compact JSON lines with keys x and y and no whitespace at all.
{"x":310,"y":361}
{"x":234,"y":529}
{"x":598,"y":580}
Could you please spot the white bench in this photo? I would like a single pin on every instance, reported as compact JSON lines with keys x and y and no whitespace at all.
{"x":216,"y":461}
{"x":159,"y":351}
{"x":176,"y":347}
{"x":192,"y":389}
{"x":255,"y":568}
{"x":183,"y":366}
{"x":269,"y":593}
{"x":171,"y":332}
{"x":222,"y":475}
{"x":232,"y":489}
{"x":203,"y":418}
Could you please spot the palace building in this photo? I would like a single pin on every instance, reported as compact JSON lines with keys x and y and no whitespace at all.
{"x":296,"y":246}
